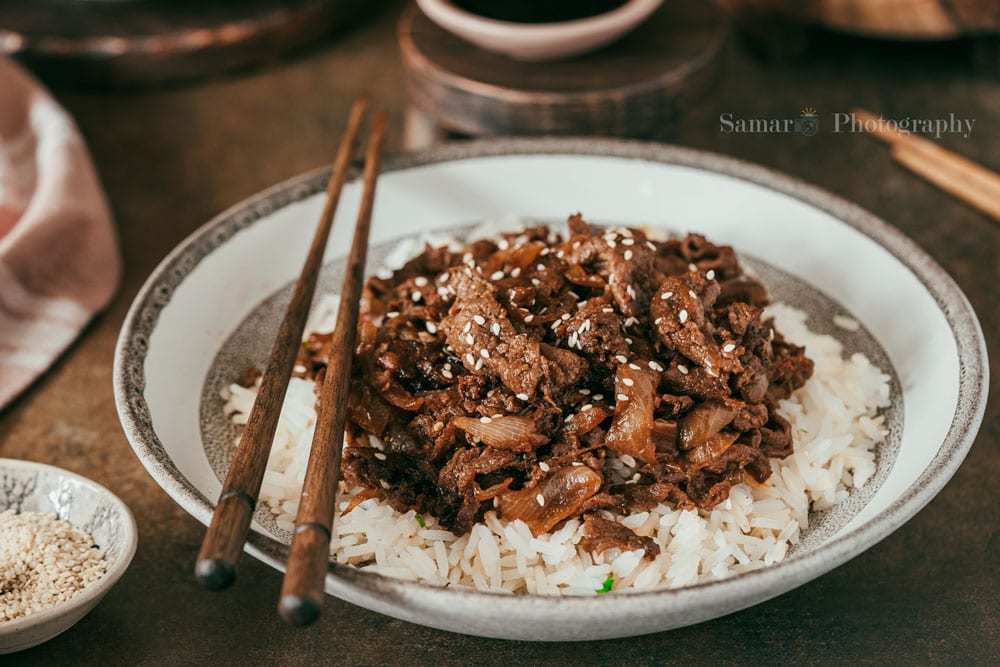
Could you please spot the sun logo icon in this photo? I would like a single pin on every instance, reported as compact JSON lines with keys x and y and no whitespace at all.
{"x":808,"y":124}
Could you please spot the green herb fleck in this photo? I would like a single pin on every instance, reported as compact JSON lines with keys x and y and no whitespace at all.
{"x":420,"y":520}
{"x":804,"y":430}
{"x":606,"y":587}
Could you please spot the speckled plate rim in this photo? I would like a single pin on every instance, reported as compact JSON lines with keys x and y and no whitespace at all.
{"x":724,"y":596}
{"x":100,"y":587}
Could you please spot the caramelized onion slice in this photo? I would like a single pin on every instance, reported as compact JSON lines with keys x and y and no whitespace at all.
{"x":631,"y":431}
{"x":584,"y":421}
{"x":665,"y":435}
{"x":704,"y":421}
{"x":562,"y":494}
{"x":511,"y":432}
{"x":710,"y":450}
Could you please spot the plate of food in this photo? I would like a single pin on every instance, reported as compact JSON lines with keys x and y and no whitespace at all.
{"x":600,"y":388}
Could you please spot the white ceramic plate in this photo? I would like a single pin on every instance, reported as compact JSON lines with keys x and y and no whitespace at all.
{"x":838,"y":257}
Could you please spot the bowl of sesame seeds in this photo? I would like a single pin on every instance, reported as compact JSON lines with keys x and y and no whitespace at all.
{"x":64,"y":542}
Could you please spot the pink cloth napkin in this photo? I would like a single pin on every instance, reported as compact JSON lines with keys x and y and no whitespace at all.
{"x":59,"y":260}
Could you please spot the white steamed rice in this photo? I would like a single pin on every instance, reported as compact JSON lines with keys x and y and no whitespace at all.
{"x":835,"y":428}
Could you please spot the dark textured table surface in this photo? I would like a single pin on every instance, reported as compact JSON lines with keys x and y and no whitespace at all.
{"x":170,"y":159}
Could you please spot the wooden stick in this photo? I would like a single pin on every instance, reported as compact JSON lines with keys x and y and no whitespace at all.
{"x":302,"y":588}
{"x":227,"y":533}
{"x":971,"y":182}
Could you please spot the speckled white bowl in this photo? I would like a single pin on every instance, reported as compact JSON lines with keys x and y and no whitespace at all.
{"x":537,"y":42}
{"x":828,"y":255}
{"x":26,"y":486}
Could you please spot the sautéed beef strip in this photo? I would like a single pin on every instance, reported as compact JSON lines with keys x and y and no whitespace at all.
{"x":508,"y":375}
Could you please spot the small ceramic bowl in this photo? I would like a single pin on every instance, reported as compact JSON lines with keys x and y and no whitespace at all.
{"x":26,"y":486}
{"x":537,"y":42}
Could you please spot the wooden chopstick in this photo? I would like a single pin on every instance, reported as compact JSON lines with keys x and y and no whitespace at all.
{"x":958,"y":176}
{"x":227,"y":533}
{"x":302,"y":588}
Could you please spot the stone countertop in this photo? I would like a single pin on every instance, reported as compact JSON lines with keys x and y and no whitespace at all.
{"x":172,"y":158}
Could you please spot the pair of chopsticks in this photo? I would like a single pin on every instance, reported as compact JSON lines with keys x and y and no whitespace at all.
{"x":302,"y":589}
{"x":972,"y":183}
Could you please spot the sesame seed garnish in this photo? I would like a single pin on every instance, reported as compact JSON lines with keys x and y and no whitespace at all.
{"x":628,"y":254}
{"x":484,"y":353}
{"x":621,"y":358}
{"x":392,"y":314}
{"x":692,"y":267}
{"x":683,"y":369}
{"x":447,"y":367}
{"x":607,"y":310}
{"x":469,"y":358}
{"x":584,"y":391}
{"x":479,"y":364}
{"x":469,"y":339}
{"x":536,"y":282}
{"x":479,"y":319}
{"x":503,"y":244}
{"x":528,"y":318}
{"x":628,"y":340}
{"x":611,"y":243}
{"x":628,"y":242}
{"x":657,"y":320}
{"x":416,"y":296}
{"x":486,"y":420}
{"x":431,"y":327}
{"x":666,"y":295}
{"x":380,"y":456}
{"x":420,"y":281}
{"x":651,"y":245}
{"x":515,"y":273}
{"x":543,"y":466}
{"x":467,"y":328}
{"x":628,"y":382}
{"x":655,"y":366}
{"x":682,"y":316}
{"x":384,"y":484}
{"x":631,"y":322}
{"x":568,"y":418}
{"x":523,"y":397}
{"x":540,"y":267}
{"x":598,"y":397}
{"x":633,"y":367}
{"x":447,"y":375}
{"x":729,"y":348}
{"x":588,"y":406}
{"x":564,"y":317}
{"x":622,"y":397}
{"x":541,"y":500}
{"x":628,"y":460}
{"x":443,"y":278}
{"x":497,"y":275}
{"x":495,"y":328}
{"x":630,"y":291}
{"x":692,"y":294}
{"x":580,"y":304}
{"x":711,"y":274}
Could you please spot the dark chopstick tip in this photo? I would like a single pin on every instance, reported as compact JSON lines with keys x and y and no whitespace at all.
{"x":298,"y":611}
{"x":215,"y":573}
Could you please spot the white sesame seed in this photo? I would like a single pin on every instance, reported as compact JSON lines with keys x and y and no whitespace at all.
{"x":479,"y":364}
{"x":628,"y":460}
{"x":392,"y":314}
{"x":628,"y":340}
{"x":564,"y":317}
{"x":628,"y":253}
{"x":469,"y":358}
{"x":607,"y":310}
{"x":416,"y":297}
{"x":633,"y":367}
{"x":657,"y":320}
{"x":586,"y":407}
{"x":630,"y":291}
{"x":628,"y":242}
{"x":621,"y":358}
{"x":528,"y":318}
{"x":541,"y":499}
{"x":431,"y":327}
{"x":447,"y":375}
{"x":683,"y":369}
{"x":523,"y":397}
{"x":479,"y":319}
{"x":666,"y":295}
{"x":443,"y":278}
{"x":467,"y":328}
{"x":729,"y":348}
{"x":651,"y":245}
{"x":299,"y":368}
{"x":515,"y":273}
{"x":486,"y":420}
{"x":484,"y":353}
{"x":655,"y":366}
{"x":580,"y":304}
{"x":692,"y":267}
{"x":495,"y":328}
{"x":631,"y":322}
{"x":543,"y":466}
{"x":536,"y":282}
{"x":682,"y":316}
{"x":447,"y":367}
{"x":380,"y":456}
{"x":622,"y":397}
{"x":469,"y":339}
{"x":711,"y":274}
{"x":540,"y":267}
{"x":598,"y":397}
{"x":628,"y":382}
{"x":420,"y":281}
{"x":584,"y":391}
{"x":692,"y":294}
{"x":497,"y":275}
{"x":384,"y":484}
{"x":611,"y":243}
